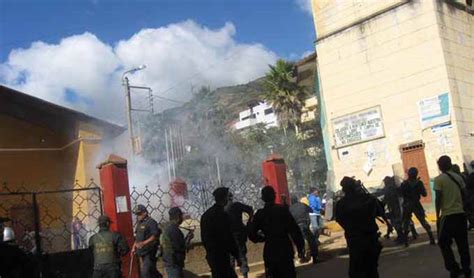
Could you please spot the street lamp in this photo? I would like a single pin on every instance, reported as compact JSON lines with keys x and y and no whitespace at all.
{"x":129,"y":101}
{"x":132,"y":71}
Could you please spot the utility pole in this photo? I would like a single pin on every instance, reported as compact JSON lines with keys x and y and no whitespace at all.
{"x":129,"y":112}
{"x":172,"y":154}
{"x":219,"y":182}
{"x":168,"y":156}
{"x":127,"y":86}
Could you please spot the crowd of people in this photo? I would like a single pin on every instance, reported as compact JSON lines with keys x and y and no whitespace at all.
{"x":357,"y":212}
{"x":224,"y":237}
{"x":285,"y":227}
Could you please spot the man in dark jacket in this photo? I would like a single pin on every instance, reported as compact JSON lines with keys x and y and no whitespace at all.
{"x":235,"y":210}
{"x":300,"y":213}
{"x":470,"y":198}
{"x":356,"y":213}
{"x":217,"y":238}
{"x":274,"y":225}
{"x":173,"y":244}
{"x":14,"y":262}
{"x":147,"y":240}
{"x":412,"y":190}
{"x":107,"y":248}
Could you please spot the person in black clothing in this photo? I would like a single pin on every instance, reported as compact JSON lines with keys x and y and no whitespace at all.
{"x":147,"y":235}
{"x":107,"y":248}
{"x":392,"y":196}
{"x":217,"y":238}
{"x":356,"y":213}
{"x":470,"y":199}
{"x":239,"y":231}
{"x":391,"y":199}
{"x":14,"y":262}
{"x":300,"y":213}
{"x":412,"y":190}
{"x":274,"y":225}
{"x":173,"y":244}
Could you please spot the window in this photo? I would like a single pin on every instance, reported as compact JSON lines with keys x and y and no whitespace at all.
{"x":253,"y":116}
{"x":268,"y":111}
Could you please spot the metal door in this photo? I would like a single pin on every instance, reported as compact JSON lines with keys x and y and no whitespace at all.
{"x":413,"y":155}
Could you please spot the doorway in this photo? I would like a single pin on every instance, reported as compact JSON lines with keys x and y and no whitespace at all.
{"x":413,"y":155}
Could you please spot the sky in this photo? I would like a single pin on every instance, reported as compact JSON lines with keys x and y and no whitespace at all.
{"x":73,"y":52}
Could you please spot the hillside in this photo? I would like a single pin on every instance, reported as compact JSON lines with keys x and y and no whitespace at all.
{"x":232,"y":99}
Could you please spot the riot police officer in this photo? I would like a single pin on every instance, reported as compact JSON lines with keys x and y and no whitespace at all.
{"x":356,"y":213}
{"x":147,"y":240}
{"x":107,"y":248}
{"x":217,"y":239}
{"x":412,"y":191}
{"x":275,"y":225}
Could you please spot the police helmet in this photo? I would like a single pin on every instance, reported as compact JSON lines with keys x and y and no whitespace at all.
{"x":103,"y":220}
{"x":139,"y":209}
{"x":8,"y":234}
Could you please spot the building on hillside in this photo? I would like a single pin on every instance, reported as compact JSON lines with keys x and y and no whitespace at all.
{"x":309,"y":131}
{"x":46,"y":147}
{"x":305,"y":76}
{"x":259,"y":114}
{"x":397,"y":86}
{"x":310,"y":128}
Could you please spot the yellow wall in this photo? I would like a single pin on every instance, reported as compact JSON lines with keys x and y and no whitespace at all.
{"x":72,"y":164}
{"x":69,"y":160}
{"x":32,"y":168}
{"x":393,"y":60}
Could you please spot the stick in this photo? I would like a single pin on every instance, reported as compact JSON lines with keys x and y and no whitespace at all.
{"x":130,"y":266}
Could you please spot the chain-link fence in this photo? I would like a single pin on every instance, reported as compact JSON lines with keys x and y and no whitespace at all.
{"x":54,"y":220}
{"x":159,"y":199}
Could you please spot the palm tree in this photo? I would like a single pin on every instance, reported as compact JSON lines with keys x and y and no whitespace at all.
{"x":284,"y":94}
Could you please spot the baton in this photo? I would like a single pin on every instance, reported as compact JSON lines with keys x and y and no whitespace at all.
{"x":130,"y":266}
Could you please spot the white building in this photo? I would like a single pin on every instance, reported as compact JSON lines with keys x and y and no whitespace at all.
{"x":260,"y":114}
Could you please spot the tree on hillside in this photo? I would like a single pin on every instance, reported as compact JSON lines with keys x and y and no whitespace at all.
{"x":284,"y":94}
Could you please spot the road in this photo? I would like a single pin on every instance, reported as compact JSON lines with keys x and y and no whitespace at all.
{"x":417,"y":261}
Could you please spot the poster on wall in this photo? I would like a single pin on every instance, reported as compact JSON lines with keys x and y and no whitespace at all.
{"x":434,"y":110}
{"x":358,"y":127}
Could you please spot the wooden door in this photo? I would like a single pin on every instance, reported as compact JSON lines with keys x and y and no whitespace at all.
{"x":413,"y":155}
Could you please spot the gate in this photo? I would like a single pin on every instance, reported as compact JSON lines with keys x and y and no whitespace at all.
{"x":52,"y":223}
{"x":199,"y":198}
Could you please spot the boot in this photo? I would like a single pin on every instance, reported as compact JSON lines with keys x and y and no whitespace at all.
{"x":315,"y":260}
{"x":432,"y":239}
{"x":414,"y":233}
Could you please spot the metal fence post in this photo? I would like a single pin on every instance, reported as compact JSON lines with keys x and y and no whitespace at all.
{"x":38,"y":250}
{"x":37,"y":225}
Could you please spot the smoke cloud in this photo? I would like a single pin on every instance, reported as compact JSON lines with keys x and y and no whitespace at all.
{"x":84,"y":73}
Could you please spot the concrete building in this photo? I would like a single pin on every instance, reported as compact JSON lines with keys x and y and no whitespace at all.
{"x":305,"y":71}
{"x":396,"y":86}
{"x":46,"y":147}
{"x":260,"y":114}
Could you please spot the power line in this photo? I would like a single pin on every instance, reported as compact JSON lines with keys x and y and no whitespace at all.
{"x":182,"y":82}
{"x":169,"y":99}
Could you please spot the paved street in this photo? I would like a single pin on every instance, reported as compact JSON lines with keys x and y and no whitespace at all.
{"x":418,"y":261}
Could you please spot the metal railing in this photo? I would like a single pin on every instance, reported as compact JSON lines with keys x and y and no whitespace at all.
{"x":159,"y":199}
{"x":52,"y":221}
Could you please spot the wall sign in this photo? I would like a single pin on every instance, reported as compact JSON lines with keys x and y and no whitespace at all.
{"x":358,"y":127}
{"x":121,"y":202}
{"x":434,"y":110}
